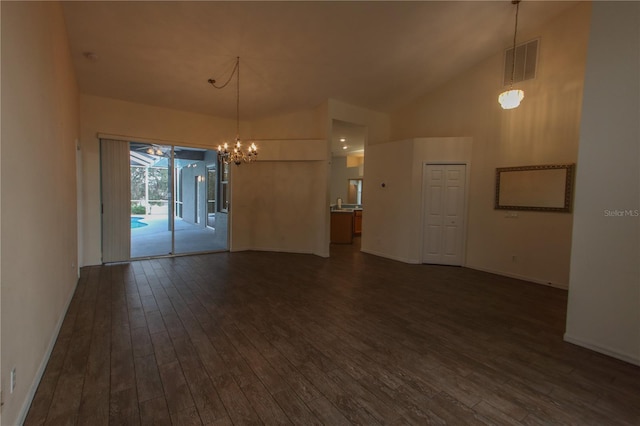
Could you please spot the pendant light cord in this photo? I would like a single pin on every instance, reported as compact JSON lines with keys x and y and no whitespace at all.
{"x":238,"y":99}
{"x":515,"y":33}
{"x":236,"y":69}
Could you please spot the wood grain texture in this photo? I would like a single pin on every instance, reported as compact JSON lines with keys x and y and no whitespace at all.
{"x":275,"y":338}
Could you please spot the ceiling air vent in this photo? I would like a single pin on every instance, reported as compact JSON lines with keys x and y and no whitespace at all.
{"x":526,"y":62}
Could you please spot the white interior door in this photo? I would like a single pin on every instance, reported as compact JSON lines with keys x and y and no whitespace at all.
{"x":444,"y":195}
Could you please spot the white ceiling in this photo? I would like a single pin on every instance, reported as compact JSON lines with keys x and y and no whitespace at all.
{"x":294,"y":55}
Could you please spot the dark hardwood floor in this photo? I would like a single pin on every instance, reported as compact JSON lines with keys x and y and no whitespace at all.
{"x":273,"y":338}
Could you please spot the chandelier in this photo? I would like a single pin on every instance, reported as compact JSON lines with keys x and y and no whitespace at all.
{"x":235,"y":154}
{"x":511,"y":98}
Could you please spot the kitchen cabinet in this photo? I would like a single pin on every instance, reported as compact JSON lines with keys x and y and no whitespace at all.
{"x":342,"y":227}
{"x":357,"y":222}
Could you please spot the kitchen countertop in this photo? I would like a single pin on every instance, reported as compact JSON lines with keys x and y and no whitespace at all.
{"x":334,"y":208}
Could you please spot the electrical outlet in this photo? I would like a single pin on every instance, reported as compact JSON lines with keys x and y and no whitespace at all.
{"x":12,"y":385}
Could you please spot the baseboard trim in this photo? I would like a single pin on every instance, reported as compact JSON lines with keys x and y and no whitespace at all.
{"x":22,"y":416}
{"x":601,"y":349}
{"x":275,"y":250}
{"x":519,"y":277}
{"x":398,"y":258}
{"x":271,"y":249}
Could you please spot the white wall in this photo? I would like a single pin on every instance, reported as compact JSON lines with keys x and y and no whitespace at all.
{"x":543,"y":130}
{"x":604,"y":293}
{"x":393,"y":226}
{"x":39,"y":234}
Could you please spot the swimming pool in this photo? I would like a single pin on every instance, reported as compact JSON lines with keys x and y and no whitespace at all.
{"x":136,"y":222}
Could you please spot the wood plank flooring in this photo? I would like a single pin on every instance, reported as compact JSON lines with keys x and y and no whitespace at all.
{"x":273,"y":338}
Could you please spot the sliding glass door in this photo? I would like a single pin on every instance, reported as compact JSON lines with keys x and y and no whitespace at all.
{"x":159,"y":200}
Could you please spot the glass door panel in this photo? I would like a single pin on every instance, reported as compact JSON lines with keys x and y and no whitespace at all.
{"x":177,"y":190}
{"x":151,"y":208}
{"x":173,"y":201}
{"x":196,"y":228}
{"x":211,"y":196}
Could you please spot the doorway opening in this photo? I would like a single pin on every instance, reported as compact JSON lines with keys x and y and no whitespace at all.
{"x":348,"y":141}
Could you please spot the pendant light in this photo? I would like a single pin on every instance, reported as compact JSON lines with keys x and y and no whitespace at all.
{"x":511,"y":98}
{"x":235,"y":154}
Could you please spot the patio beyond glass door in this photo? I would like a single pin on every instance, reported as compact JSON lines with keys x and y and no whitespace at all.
{"x":196,"y":229}
{"x":172,"y":190}
{"x":151,"y":206}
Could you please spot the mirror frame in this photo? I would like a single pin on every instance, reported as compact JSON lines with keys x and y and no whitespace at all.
{"x":567,"y":188}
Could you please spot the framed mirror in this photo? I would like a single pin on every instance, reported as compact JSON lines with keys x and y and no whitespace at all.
{"x":540,"y":188}
{"x":354,"y":191}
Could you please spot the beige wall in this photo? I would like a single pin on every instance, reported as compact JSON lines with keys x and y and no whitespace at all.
{"x":135,"y":121}
{"x":604,"y":293}
{"x":543,"y":130}
{"x":254,"y":215}
{"x":284,"y":193}
{"x":278,"y":202}
{"x":377,"y":123}
{"x":307,"y":214}
{"x":39,"y":236}
{"x":308,"y":124}
{"x":278,"y":205}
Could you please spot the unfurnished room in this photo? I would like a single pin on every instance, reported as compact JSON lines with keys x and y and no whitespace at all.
{"x":320,"y":212}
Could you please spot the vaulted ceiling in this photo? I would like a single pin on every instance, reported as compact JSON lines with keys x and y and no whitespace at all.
{"x":294,"y":55}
